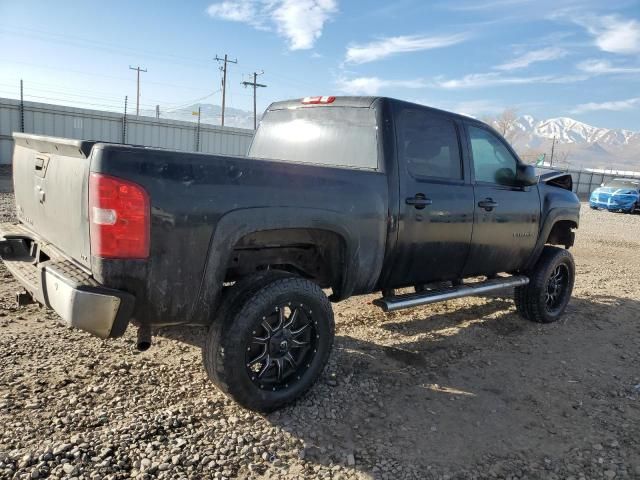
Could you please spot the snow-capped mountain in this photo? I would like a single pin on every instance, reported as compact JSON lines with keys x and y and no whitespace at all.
{"x":568,"y":130}
{"x":576,"y":143}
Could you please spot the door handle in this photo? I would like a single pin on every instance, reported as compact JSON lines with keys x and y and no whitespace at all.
{"x":419,"y":201}
{"x":488,"y":204}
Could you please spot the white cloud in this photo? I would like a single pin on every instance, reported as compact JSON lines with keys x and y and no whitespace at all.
{"x":612,"y":33}
{"x":542,"y":55}
{"x":477,"y":108}
{"x":495,"y":79}
{"x":373,"y":85}
{"x":235,"y":11}
{"x":302,"y":21}
{"x":388,"y":46}
{"x":299,"y":21}
{"x":602,"y":67}
{"x":486,"y":5}
{"x":614,"y":106}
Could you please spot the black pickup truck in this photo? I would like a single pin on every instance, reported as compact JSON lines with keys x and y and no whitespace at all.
{"x":338,"y":196}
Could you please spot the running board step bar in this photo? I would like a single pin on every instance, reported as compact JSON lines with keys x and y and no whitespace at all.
{"x":399,"y":302}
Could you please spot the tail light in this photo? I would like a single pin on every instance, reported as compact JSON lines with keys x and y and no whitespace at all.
{"x":119,"y":218}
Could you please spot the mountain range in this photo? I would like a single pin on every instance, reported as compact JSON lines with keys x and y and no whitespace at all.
{"x":577,"y":144}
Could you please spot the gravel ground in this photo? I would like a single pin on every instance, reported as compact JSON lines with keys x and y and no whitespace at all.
{"x":462,"y":390}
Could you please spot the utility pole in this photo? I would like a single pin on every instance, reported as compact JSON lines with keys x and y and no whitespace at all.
{"x":198,"y":128}
{"x":553,"y":147}
{"x":224,"y":79}
{"x":157,"y":111}
{"x":255,"y":87}
{"x":138,"y":69}
{"x":124,"y":120}
{"x":21,"y":106}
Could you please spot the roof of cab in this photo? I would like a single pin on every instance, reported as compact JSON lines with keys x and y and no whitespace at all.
{"x":351,"y":101}
{"x":361,"y":102}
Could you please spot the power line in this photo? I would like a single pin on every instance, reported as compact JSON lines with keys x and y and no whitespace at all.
{"x":138,"y":69}
{"x":178,"y":107}
{"x":255,"y":86}
{"x":98,"y":95}
{"x":91,"y":44}
{"x":100,"y":75}
{"x":79,"y":99}
{"x":224,"y":80}
{"x":71,"y":101}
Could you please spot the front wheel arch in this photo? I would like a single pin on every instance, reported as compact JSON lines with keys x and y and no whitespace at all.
{"x":566,"y":217}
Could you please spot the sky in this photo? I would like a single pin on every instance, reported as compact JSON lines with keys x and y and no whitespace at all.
{"x":545,"y":58}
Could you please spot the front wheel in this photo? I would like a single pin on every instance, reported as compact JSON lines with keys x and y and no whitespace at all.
{"x":550,"y":286}
{"x":274,"y":344}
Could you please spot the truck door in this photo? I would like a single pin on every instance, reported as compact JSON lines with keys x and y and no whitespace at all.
{"x":506,"y":217}
{"x":436,"y":202}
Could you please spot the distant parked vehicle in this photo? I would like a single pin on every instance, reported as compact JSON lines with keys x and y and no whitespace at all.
{"x":619,"y":195}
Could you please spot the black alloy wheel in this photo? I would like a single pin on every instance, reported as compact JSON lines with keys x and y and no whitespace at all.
{"x":545,"y":298}
{"x":273,"y":341}
{"x":557,"y":287}
{"x":282,"y":346}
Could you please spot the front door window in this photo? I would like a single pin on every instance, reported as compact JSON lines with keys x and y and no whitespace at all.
{"x":492,"y":160}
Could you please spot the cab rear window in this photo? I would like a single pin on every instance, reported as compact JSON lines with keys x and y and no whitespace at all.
{"x":334,"y":136}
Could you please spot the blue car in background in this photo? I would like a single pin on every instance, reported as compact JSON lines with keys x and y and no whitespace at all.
{"x":619,"y":195}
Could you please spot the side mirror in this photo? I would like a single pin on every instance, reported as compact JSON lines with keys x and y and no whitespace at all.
{"x":526,"y":175}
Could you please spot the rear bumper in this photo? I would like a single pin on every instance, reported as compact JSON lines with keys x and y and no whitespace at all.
{"x":62,"y":285}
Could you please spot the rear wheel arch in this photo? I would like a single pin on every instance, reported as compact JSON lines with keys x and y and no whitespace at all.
{"x":238,"y":224}
{"x":317,"y":254}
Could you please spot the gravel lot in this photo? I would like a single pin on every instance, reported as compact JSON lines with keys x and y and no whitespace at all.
{"x":462,"y":390}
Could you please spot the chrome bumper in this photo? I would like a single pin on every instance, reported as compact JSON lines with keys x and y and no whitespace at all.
{"x":63,"y":286}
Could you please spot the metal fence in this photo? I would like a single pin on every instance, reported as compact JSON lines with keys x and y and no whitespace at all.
{"x":80,"y":123}
{"x":586,"y":181}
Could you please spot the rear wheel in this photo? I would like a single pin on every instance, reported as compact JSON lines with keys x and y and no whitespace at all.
{"x":551,"y":281}
{"x":232,"y":297}
{"x":273,"y":343}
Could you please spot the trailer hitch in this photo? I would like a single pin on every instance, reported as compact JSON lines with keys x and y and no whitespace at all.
{"x":24,"y":298}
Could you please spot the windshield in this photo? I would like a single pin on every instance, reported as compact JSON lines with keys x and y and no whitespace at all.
{"x":338,"y":136}
{"x":628,"y":184}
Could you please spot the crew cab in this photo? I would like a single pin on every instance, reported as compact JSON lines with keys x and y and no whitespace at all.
{"x":338,"y":196}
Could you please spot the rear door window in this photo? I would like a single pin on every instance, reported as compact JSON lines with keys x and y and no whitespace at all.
{"x":428,"y":145}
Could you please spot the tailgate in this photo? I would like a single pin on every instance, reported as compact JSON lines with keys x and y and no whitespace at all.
{"x":50,"y":177}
